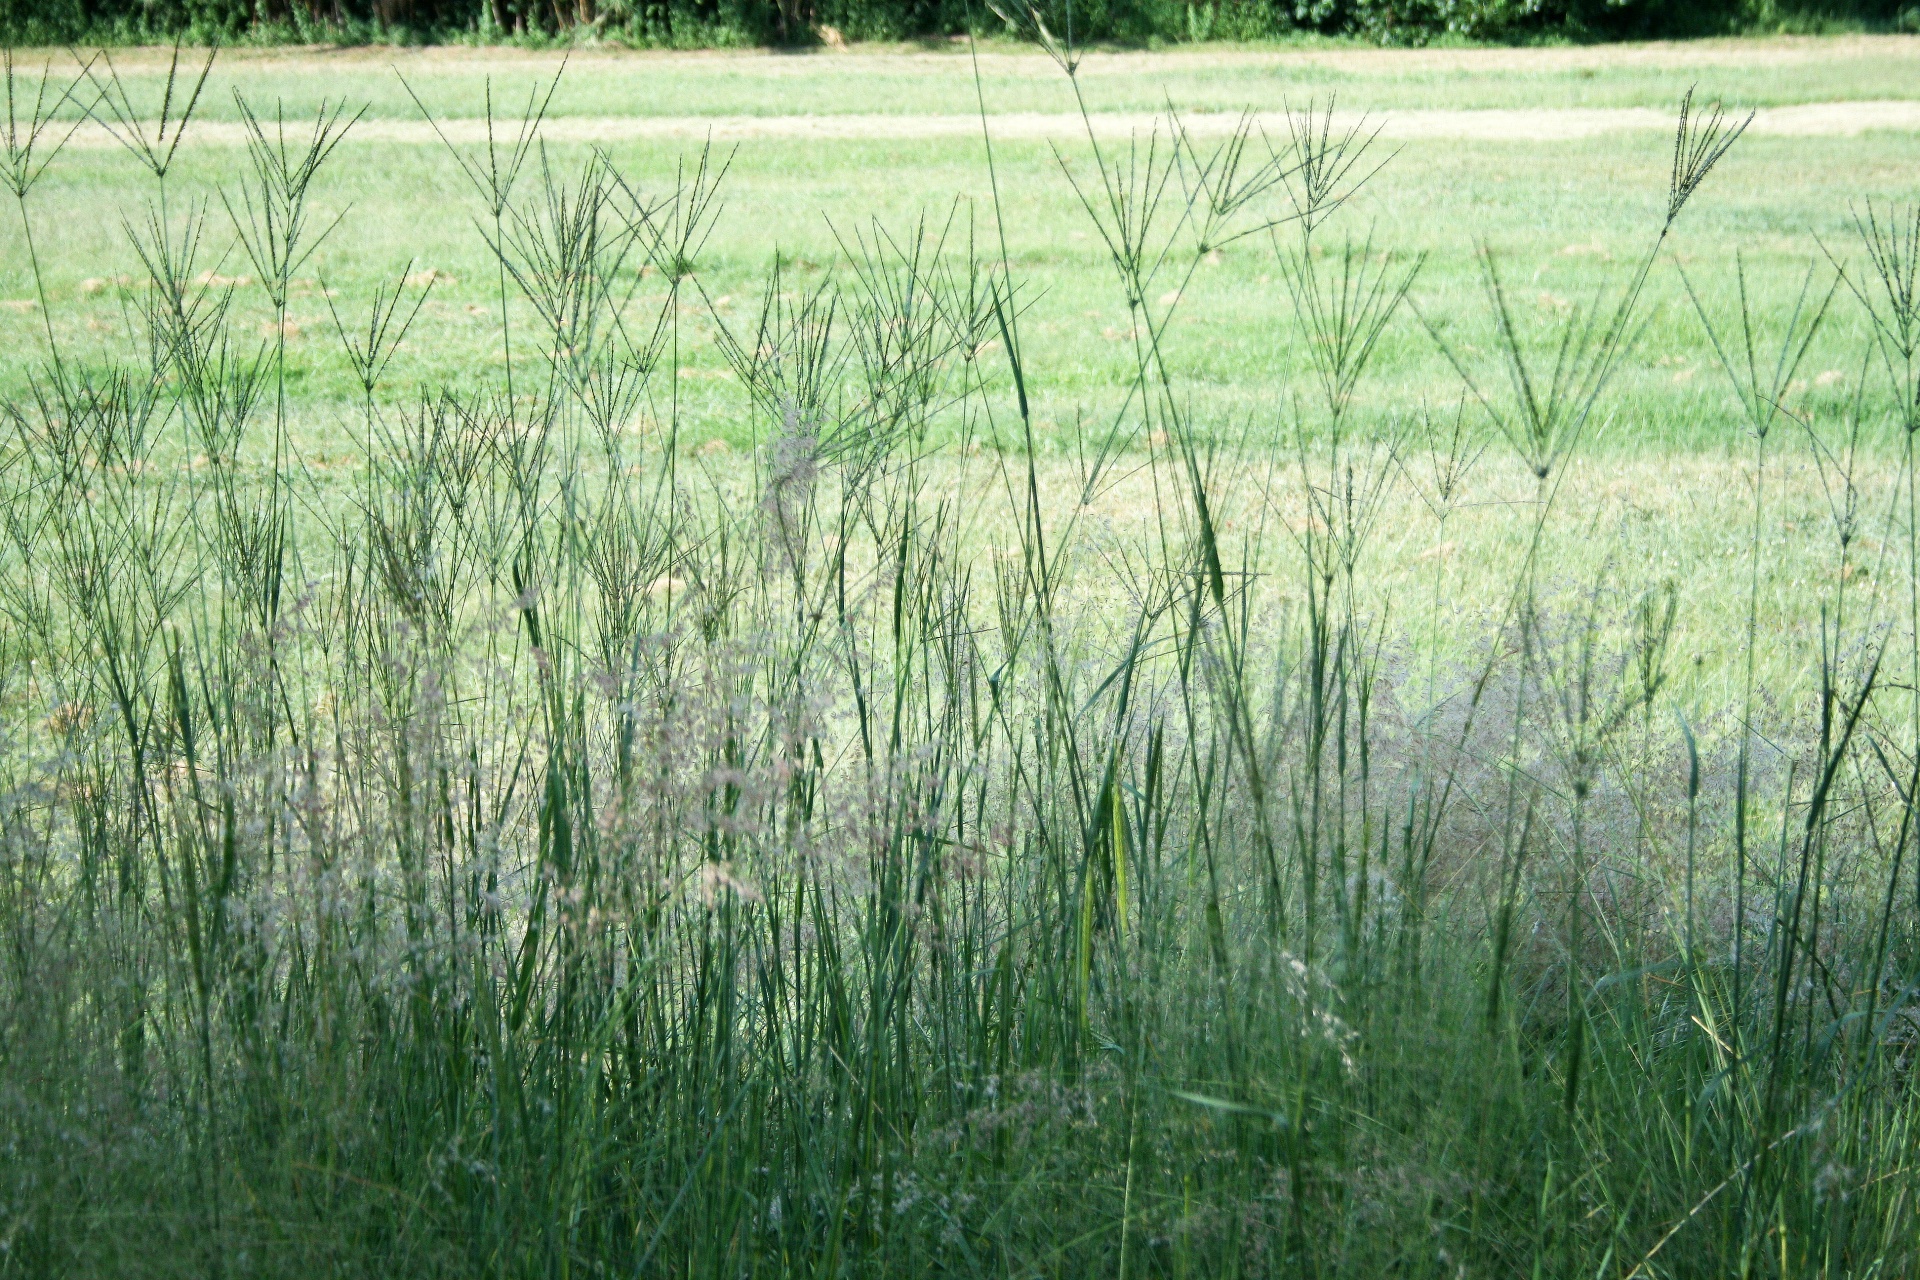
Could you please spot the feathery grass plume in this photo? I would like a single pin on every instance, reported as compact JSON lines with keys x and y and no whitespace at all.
{"x":1126,"y":209}
{"x":389,"y":317}
{"x":566,"y":257}
{"x":1699,"y":143}
{"x":1343,"y":309}
{"x":1891,"y":298}
{"x":1594,"y":680}
{"x":672,"y":232}
{"x":1450,"y":453}
{"x":271,"y":218}
{"x":1452,"y":449}
{"x":1547,"y":410}
{"x":154,"y":143}
{"x":1762,"y":386}
{"x":1029,"y":22}
{"x":184,"y":309}
{"x":1550,"y":413}
{"x":679,"y":224}
{"x":1222,"y":183}
{"x":494,"y":174}
{"x":28,"y":147}
{"x":1762,"y":392}
{"x":1327,"y":166}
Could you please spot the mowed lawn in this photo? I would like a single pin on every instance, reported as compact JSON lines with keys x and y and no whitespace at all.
{"x":1567,"y":203}
{"x":1563,"y":215}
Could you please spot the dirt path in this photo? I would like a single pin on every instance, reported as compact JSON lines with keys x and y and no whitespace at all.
{"x":1826,"y":119}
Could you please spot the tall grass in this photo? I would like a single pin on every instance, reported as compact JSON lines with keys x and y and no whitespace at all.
{"x":551,"y":851}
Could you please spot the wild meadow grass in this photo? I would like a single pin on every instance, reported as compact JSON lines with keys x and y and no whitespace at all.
{"x":540,"y":848}
{"x":1561,"y":213}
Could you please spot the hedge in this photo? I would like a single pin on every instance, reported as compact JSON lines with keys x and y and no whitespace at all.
{"x":736,"y":22}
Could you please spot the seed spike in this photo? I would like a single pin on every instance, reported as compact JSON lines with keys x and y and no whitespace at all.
{"x":1697,"y":146}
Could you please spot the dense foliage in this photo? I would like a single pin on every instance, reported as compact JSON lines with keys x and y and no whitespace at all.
{"x":723,"y":22}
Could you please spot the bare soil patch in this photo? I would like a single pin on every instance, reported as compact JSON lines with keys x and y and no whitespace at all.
{"x":1824,"y":119}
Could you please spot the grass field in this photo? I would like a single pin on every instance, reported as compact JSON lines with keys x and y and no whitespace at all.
{"x":1562,"y":214}
{"x":1560,"y":226}
{"x":1113,"y":709}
